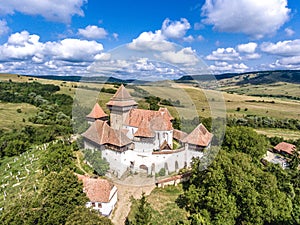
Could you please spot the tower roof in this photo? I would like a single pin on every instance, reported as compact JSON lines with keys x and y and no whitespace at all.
{"x":121,"y":98}
{"x":97,"y":112}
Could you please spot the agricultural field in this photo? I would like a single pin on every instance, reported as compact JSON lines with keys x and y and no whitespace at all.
{"x":275,"y":132}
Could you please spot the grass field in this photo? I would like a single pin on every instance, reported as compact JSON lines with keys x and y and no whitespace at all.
{"x":275,"y":132}
{"x":165,"y":210}
{"x":10,"y":118}
{"x":194,"y":101}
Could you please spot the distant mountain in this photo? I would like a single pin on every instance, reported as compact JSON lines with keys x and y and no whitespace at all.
{"x":258,"y":77}
{"x":102,"y":79}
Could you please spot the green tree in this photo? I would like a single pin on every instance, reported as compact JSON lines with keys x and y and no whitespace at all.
{"x":94,"y":157}
{"x":83,"y":215}
{"x":143,"y":214}
{"x":244,"y":139}
{"x":234,"y":190}
{"x":57,"y":157}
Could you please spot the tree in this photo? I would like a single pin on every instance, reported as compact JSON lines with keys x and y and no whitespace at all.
{"x":234,"y":190}
{"x":100,"y":165}
{"x":83,"y":215}
{"x":143,"y":214}
{"x":244,"y":139}
{"x":58,"y":156}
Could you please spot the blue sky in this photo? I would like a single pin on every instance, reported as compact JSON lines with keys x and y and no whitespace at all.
{"x":163,"y":38}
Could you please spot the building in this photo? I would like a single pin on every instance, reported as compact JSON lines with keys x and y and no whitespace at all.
{"x":102,"y":194}
{"x":285,"y":148}
{"x":142,"y":140}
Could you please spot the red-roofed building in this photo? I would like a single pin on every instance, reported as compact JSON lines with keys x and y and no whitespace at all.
{"x":102,"y":194}
{"x":139,"y":138}
{"x":285,"y":148}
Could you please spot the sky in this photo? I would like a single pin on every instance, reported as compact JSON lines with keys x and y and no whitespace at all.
{"x":148,"y":39}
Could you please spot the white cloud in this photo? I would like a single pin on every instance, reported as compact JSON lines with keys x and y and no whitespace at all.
{"x":54,"y":10}
{"x":74,"y":49}
{"x":252,"y":56}
{"x":282,"y":48}
{"x":198,"y":26}
{"x":115,"y":35}
{"x":186,"y":56}
{"x":24,"y":53}
{"x":159,"y":40}
{"x":255,"y":18}
{"x":222,"y":67}
{"x":93,"y":32}
{"x":289,"y":32}
{"x":224,"y":54}
{"x":151,"y":41}
{"x":247,"y":48}
{"x":175,"y":29}
{"x":3,"y":27}
{"x":200,"y":38}
{"x":189,"y":38}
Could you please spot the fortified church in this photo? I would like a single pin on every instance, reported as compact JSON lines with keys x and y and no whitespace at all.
{"x":139,"y":140}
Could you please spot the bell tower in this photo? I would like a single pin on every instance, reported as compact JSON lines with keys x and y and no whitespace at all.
{"x":120,"y":105}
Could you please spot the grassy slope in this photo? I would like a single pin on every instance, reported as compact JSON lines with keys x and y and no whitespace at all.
{"x":13,"y":168}
{"x":10,"y":118}
{"x":165,"y":210}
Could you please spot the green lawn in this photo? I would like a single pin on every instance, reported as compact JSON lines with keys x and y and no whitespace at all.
{"x":165,"y":210}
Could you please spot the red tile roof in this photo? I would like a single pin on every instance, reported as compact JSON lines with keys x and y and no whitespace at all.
{"x":179,"y":135}
{"x":121,"y":98}
{"x":97,"y":112}
{"x":199,"y":136}
{"x":285,"y":147}
{"x":100,"y":133}
{"x":157,"y":120}
{"x":97,"y":190}
{"x":144,"y":130}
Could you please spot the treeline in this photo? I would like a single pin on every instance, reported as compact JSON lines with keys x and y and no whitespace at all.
{"x":15,"y":142}
{"x":264,"y":122}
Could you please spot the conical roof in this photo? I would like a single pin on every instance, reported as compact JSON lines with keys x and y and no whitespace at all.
{"x":97,"y":112}
{"x":121,"y":98}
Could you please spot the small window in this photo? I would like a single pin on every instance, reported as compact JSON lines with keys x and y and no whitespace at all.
{"x":93,"y":204}
{"x":99,"y":205}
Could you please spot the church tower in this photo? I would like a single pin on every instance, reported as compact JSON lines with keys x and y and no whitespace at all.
{"x":120,"y":105}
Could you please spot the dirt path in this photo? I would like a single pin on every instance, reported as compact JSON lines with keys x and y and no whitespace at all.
{"x":78,"y":162}
{"x":125,"y":190}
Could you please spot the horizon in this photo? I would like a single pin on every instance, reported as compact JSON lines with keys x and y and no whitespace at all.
{"x":91,"y":38}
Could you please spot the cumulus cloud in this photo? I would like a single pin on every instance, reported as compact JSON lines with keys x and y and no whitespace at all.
{"x":289,"y":32}
{"x":53,"y":10}
{"x":248,"y":48}
{"x":93,"y":32}
{"x":24,"y":52}
{"x":185,"y":56}
{"x":224,"y":54}
{"x":255,"y":18}
{"x":74,"y":49}
{"x":222,"y":67}
{"x":3,"y":27}
{"x":175,"y":29}
{"x":189,"y":38}
{"x":282,"y":48}
{"x":160,"y":39}
{"x":151,"y":41}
